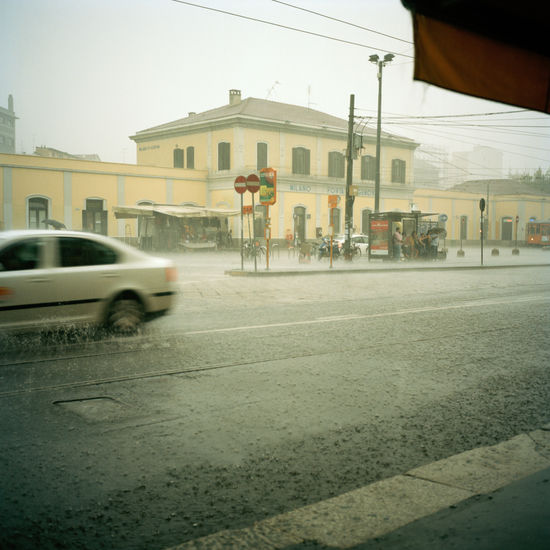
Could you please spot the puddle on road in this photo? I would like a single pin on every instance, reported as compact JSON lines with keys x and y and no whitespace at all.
{"x":95,"y":409}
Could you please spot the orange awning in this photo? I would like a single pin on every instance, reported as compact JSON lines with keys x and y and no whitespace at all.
{"x":483,"y":51}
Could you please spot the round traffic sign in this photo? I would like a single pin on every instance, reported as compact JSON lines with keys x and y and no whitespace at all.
{"x":240,"y":184}
{"x":443,"y":217}
{"x":253,"y":183}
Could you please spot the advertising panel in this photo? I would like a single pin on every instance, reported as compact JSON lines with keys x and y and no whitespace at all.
{"x":268,"y":186}
{"x":379,"y":237}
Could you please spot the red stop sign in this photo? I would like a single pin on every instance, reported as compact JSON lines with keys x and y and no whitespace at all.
{"x":240,"y":184}
{"x":253,"y":183}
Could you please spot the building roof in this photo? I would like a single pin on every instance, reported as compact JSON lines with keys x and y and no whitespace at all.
{"x":267,"y":111}
{"x":502,"y":187}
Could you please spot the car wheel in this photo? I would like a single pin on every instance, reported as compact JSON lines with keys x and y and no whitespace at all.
{"x":125,"y":315}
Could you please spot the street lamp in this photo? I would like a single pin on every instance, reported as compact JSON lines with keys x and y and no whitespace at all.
{"x":381,"y":63}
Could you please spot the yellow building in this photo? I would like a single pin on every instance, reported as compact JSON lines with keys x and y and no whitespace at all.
{"x":307,"y":149}
{"x":194,"y":162}
{"x":81,"y":194}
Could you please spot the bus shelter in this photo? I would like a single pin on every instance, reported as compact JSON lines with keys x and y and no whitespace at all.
{"x":382,"y":226}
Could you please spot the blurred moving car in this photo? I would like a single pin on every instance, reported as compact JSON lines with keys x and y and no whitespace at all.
{"x":361,"y":242}
{"x":51,"y":278}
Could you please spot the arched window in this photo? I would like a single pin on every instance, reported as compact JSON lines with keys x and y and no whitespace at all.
{"x":365,"y":219}
{"x":178,"y":158}
{"x":38,"y":212}
{"x":300,"y":223}
{"x":260,"y":212}
{"x":336,"y":220}
{"x":507,"y":227}
{"x":94,"y":217}
{"x":463,"y":227}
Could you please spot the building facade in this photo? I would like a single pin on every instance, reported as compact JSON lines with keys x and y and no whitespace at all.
{"x":307,"y":148}
{"x":193,"y":162}
{"x":7,"y":127}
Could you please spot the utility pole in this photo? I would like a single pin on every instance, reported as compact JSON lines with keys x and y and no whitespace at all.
{"x":380,"y":63}
{"x":349,"y":177}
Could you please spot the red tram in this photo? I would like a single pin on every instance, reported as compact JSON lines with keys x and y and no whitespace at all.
{"x":538,"y":233}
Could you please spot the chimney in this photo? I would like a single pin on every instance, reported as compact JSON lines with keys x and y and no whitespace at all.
{"x":192,"y":113}
{"x":234,"y":97}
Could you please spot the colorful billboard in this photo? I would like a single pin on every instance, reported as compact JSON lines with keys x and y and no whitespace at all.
{"x":268,"y":186}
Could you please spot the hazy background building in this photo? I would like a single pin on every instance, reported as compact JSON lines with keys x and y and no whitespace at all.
{"x":480,"y":163}
{"x":7,"y":127}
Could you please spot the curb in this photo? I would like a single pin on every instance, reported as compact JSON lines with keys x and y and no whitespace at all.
{"x":384,"y":506}
{"x":282,"y":273}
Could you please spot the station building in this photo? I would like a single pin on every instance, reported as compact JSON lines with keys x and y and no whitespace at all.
{"x":193,"y":163}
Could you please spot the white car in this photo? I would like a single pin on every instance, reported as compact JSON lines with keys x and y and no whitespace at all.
{"x":361,"y":242}
{"x":52,"y":278}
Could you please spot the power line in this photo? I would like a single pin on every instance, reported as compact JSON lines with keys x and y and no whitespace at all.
{"x":288,"y":28}
{"x":342,"y":21}
{"x":453,"y":137}
{"x":396,"y":115}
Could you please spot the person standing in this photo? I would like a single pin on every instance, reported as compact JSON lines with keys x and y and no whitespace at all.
{"x":434,"y":245}
{"x":397,"y":242}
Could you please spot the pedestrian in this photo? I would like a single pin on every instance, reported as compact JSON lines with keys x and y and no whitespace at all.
{"x":397,"y":241}
{"x":408,"y":246}
{"x":434,"y":245}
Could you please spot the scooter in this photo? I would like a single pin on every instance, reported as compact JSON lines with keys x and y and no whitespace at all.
{"x":324,"y":250}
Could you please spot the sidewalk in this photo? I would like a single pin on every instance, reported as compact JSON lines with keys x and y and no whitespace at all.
{"x":283,"y":263}
{"x":491,"y":498}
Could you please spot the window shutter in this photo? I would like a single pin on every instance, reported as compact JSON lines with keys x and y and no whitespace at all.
{"x":190,"y":157}
{"x":178,"y":158}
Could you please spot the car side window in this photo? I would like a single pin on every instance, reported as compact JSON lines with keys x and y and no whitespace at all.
{"x":21,"y":255}
{"x":75,"y":252}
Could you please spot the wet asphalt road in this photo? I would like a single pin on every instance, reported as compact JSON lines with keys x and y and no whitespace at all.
{"x":259,"y":396}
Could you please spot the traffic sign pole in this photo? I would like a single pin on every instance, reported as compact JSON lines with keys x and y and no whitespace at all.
{"x":240,"y":187}
{"x":242,"y":234}
{"x":482,"y":208}
{"x":253,"y":185}
{"x":267,"y":237}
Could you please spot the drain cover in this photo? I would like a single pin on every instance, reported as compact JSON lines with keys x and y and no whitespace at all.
{"x":97,"y":409}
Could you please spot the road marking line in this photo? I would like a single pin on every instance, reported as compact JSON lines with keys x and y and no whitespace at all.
{"x":353,"y":317}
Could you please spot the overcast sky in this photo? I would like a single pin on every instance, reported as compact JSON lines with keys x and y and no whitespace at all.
{"x":86,"y":74}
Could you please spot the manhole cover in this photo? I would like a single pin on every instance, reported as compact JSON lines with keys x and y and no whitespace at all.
{"x":97,"y":409}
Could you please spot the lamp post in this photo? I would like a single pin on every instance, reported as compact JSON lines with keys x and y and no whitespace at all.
{"x":380,"y":63}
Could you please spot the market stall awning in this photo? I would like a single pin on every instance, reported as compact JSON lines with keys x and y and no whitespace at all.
{"x":492,"y":49}
{"x":149,"y":210}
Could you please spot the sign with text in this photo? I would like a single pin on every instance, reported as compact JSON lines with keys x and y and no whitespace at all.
{"x":247,"y":209}
{"x":268,"y":186}
{"x":333,"y":201}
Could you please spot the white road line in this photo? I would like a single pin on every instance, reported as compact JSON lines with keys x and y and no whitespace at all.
{"x":353,"y":317}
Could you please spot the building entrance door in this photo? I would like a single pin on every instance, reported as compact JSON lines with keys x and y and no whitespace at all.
{"x":300,"y":223}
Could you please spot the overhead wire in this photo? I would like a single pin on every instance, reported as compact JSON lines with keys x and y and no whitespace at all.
{"x":287,"y":27}
{"x":343,"y":21}
{"x":397,"y":120}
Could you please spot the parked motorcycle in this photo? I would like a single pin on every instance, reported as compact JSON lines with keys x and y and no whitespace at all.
{"x":324,"y":249}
